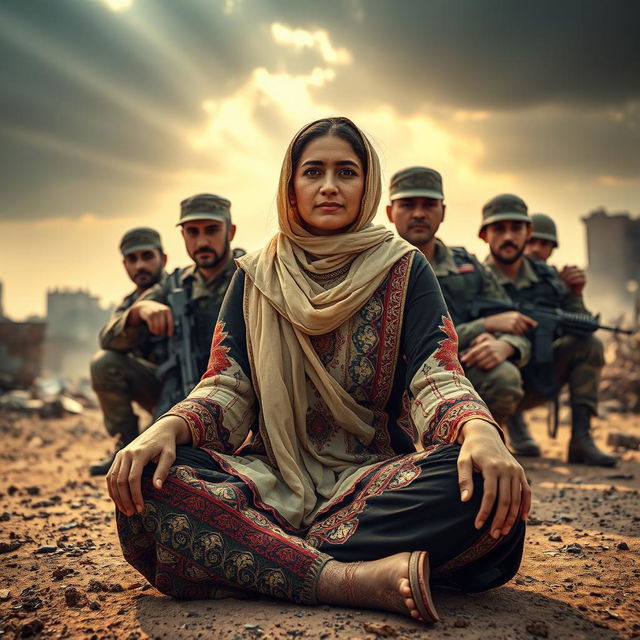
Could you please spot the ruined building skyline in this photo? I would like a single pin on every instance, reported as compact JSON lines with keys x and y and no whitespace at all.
{"x":613,"y":272}
{"x":74,"y":320}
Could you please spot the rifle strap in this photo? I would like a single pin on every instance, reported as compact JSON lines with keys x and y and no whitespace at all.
{"x":552,"y":415}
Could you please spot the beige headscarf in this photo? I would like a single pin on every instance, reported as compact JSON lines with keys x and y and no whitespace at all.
{"x":284,"y":305}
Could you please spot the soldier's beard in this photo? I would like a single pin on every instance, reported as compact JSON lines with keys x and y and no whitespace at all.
{"x":507,"y":260}
{"x":145,"y":279}
{"x":203,"y":261}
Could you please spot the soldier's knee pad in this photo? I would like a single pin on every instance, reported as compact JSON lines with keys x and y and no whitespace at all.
{"x":594,"y":351}
{"x":586,"y":349}
{"x":506,"y":378}
{"x":105,"y":366}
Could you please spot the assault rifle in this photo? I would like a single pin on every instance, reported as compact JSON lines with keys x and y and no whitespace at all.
{"x":552,"y":323}
{"x":180,"y":365}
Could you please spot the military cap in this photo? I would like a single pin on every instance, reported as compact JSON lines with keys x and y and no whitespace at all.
{"x":416,"y":182}
{"x":504,"y":207}
{"x":544,"y":228}
{"x":140,"y":238}
{"x":205,"y":206}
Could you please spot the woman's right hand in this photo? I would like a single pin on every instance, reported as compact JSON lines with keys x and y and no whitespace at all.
{"x":155,"y":444}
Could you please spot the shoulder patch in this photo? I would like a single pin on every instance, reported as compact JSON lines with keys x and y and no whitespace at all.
{"x":466,"y":267}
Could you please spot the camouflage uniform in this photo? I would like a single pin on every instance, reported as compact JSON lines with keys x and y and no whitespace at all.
{"x":206,"y":300}
{"x":462,"y":278}
{"x":576,"y":360}
{"x":123,"y":371}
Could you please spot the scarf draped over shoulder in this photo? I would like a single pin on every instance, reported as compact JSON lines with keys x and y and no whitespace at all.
{"x":284,"y":305}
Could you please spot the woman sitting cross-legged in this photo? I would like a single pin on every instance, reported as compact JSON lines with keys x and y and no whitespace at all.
{"x":333,"y":452}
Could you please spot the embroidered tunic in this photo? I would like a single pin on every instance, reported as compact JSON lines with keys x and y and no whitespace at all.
{"x":397,"y":356}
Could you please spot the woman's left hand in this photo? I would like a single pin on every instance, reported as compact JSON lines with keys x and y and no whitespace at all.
{"x":504,"y":479}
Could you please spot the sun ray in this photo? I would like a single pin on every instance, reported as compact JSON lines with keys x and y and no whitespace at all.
{"x":67,"y":63}
{"x":65,"y":147}
{"x":118,"y":5}
{"x":180,"y":67}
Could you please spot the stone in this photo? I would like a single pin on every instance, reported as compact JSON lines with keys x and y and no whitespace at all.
{"x":74,"y":598}
{"x":538,"y":629}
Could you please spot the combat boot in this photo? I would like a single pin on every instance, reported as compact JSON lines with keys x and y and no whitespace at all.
{"x":520,"y":441}
{"x":582,"y":448}
{"x":101,"y":467}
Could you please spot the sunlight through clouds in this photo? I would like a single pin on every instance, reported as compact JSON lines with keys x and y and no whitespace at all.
{"x":118,"y":5}
{"x":249,"y":130}
{"x":216,"y":115}
{"x":252,"y":150}
{"x":230,"y":6}
{"x":318,"y":40}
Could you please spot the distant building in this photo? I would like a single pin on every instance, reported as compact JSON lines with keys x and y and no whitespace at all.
{"x":74,"y":319}
{"x":613,"y":246}
{"x":20,"y":350}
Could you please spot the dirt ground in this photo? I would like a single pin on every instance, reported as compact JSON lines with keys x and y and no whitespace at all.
{"x":63,"y":575}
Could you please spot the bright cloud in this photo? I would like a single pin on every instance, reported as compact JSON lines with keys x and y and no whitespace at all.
{"x":251,"y":151}
{"x":230,"y":6}
{"x":319,"y":40}
{"x":118,"y":5}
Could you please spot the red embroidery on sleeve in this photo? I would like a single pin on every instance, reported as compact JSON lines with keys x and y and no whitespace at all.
{"x":218,"y":360}
{"x":447,"y":354}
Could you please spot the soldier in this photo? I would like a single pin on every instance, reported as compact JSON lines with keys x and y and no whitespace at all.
{"x":206,"y":226}
{"x":506,"y":228}
{"x":123,"y":370}
{"x":543,"y":239}
{"x":540,"y":246}
{"x":493,"y":348}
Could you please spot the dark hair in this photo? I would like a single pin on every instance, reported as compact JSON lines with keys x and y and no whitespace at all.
{"x":338,"y":127}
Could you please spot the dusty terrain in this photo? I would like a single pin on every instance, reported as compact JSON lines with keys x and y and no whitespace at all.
{"x":63,"y":575}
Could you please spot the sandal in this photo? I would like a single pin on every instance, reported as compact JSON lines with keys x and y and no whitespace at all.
{"x":420,"y":590}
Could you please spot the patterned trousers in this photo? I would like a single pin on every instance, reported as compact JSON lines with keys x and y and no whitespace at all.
{"x":207,"y":534}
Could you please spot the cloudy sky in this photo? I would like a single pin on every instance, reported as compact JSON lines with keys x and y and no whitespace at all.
{"x":112,"y":111}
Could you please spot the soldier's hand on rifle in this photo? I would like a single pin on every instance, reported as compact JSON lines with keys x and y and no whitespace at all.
{"x":486,"y":352}
{"x":156,"y":444}
{"x":157,"y":316}
{"x":574,"y":278}
{"x":509,"y":322}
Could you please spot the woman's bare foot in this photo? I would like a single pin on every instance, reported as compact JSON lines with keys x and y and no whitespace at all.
{"x":380,"y":584}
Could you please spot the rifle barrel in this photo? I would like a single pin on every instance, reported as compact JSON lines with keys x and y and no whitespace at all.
{"x":627,"y":332}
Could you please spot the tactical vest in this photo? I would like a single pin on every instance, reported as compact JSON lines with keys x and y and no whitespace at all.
{"x":548,"y":291}
{"x":459,"y":289}
{"x":150,"y":348}
{"x":205,"y":313}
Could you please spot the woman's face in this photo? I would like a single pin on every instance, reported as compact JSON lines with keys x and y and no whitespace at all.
{"x":328,"y":185}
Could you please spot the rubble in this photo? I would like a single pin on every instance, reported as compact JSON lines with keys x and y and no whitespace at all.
{"x":30,"y":629}
{"x":538,"y":629}
{"x":580,"y":570}
{"x":620,"y":383}
{"x":74,"y":597}
{"x":623,"y":441}
{"x":50,"y":398}
{"x":20,"y":352}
